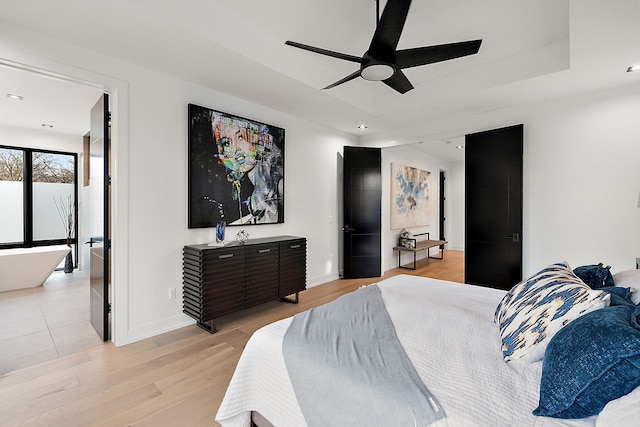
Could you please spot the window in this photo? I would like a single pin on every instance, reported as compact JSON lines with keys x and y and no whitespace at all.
{"x":12,"y":195}
{"x":38,"y":190}
{"x":53,"y":180}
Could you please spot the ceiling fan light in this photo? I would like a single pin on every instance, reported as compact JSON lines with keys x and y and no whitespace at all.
{"x":377,"y":72}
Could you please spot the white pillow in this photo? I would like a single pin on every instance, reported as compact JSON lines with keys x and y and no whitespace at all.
{"x":629,"y":279}
{"x":535,"y":309}
{"x":622,"y":412}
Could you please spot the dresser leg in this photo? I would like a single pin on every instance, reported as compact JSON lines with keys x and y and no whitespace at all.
{"x":209,"y":326}
{"x":292,"y":301}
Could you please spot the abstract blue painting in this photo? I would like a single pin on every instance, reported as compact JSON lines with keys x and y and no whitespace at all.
{"x":410,"y":196}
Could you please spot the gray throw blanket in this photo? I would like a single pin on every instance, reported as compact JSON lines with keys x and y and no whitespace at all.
{"x":348,"y":367}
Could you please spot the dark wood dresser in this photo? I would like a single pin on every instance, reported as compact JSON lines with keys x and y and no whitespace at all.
{"x":222,"y":280}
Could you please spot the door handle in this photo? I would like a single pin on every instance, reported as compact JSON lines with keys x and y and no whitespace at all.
{"x":94,"y":241}
{"x":347,"y":229}
{"x":515,"y":237}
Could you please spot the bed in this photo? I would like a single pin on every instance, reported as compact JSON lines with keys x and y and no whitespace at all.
{"x":449,"y":333}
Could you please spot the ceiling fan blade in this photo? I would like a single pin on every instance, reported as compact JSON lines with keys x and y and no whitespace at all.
{"x":346,"y":79}
{"x":407,"y":58}
{"x":325,"y":52}
{"x":399,"y":82}
{"x":385,"y":39}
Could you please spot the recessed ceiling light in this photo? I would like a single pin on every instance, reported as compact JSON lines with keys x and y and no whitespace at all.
{"x":14,"y":96}
{"x":362,"y":127}
{"x":633,"y":68}
{"x":47,"y":125}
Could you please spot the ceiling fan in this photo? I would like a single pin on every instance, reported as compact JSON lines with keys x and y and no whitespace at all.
{"x":382,"y":62}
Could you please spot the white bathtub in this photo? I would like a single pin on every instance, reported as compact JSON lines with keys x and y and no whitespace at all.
{"x":22,"y":268}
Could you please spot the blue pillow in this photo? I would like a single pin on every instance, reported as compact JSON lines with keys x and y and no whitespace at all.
{"x":619,"y":295}
{"x":596,"y":276}
{"x":589,"y":362}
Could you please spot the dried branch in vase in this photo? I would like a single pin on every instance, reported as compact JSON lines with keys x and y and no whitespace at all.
{"x":65,"y":210}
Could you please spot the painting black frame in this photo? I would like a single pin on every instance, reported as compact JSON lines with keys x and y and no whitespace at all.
{"x":236,"y":170}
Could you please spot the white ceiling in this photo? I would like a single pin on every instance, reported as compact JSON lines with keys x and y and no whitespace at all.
{"x":532,"y":50}
{"x":46,"y":100}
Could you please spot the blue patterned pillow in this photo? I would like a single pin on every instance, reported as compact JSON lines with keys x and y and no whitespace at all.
{"x":592,"y":361}
{"x":538,"y":307}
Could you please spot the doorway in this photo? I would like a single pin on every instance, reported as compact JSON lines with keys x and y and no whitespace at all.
{"x":493,"y":207}
{"x":443,"y":199}
{"x":51,"y":89}
{"x":362,"y":204}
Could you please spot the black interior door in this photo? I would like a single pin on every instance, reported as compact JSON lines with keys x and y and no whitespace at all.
{"x":99,"y":242}
{"x":493,"y":207}
{"x":443,"y":199}
{"x":362,"y":203}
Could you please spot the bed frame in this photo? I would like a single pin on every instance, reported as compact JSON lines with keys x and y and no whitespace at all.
{"x":257,"y":420}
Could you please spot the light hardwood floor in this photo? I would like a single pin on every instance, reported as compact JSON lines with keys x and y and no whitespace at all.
{"x":175,"y":379}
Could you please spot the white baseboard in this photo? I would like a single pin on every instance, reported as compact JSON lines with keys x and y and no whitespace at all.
{"x":156,"y":328}
{"x":319,"y":280}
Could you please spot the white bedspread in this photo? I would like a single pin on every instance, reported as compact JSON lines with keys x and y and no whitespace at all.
{"x":448,"y":333}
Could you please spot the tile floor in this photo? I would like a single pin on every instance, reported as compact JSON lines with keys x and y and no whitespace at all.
{"x":47,"y":322}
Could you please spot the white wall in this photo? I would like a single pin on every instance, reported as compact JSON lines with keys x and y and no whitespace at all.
{"x":455,"y":216}
{"x":410,"y":156}
{"x":582,"y":180}
{"x":157,"y":202}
